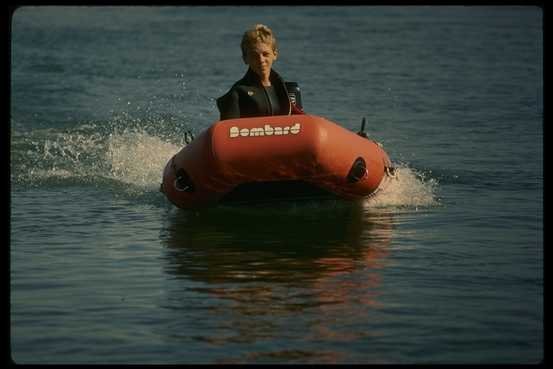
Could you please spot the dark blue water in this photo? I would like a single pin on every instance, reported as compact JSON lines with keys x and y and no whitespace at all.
{"x":444,"y":266}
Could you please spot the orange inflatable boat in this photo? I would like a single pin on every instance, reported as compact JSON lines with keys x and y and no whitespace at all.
{"x":274,"y":157}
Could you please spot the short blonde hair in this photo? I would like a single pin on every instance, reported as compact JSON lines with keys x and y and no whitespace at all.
{"x":259,"y":33}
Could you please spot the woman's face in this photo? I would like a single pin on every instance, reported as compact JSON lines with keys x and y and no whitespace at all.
{"x":260,"y":58}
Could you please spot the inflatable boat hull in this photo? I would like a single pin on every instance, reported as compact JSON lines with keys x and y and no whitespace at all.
{"x":294,"y":149}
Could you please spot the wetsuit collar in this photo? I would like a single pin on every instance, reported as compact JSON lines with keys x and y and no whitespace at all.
{"x":252,"y":78}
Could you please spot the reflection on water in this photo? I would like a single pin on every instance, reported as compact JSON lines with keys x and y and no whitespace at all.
{"x":295,"y":244}
{"x":260,"y":268}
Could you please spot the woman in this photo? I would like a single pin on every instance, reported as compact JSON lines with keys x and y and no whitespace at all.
{"x":261,"y":91}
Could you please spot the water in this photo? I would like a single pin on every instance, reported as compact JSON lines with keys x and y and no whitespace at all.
{"x":444,"y":266}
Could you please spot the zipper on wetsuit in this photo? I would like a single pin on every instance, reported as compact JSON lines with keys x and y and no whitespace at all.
{"x":268,"y":100}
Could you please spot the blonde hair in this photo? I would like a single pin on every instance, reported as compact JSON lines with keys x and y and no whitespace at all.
{"x":259,"y":33}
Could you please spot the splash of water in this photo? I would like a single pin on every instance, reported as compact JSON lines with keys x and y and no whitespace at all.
{"x":409,"y":188}
{"x":87,"y":155}
{"x":137,"y":158}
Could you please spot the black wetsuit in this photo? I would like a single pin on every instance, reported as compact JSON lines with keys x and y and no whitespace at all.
{"x":248,"y":98}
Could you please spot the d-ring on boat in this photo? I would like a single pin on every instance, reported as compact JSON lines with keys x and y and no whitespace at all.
{"x":252,"y":159}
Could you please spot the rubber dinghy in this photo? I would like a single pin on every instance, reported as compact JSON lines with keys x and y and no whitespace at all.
{"x":274,"y":157}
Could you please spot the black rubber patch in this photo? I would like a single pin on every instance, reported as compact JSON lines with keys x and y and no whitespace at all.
{"x":357,"y":170}
{"x":183,"y":181}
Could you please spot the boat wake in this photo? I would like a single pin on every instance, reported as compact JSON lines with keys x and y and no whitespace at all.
{"x":130,"y":161}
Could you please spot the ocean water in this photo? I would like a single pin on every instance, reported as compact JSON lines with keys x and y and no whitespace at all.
{"x":444,"y":266}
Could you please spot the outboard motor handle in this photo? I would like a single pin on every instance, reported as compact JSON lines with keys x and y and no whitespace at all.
{"x":362,"y":131}
{"x":294,"y":92}
{"x":188,"y":137}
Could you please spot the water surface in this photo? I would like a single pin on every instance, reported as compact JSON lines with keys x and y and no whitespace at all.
{"x":444,"y":266}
